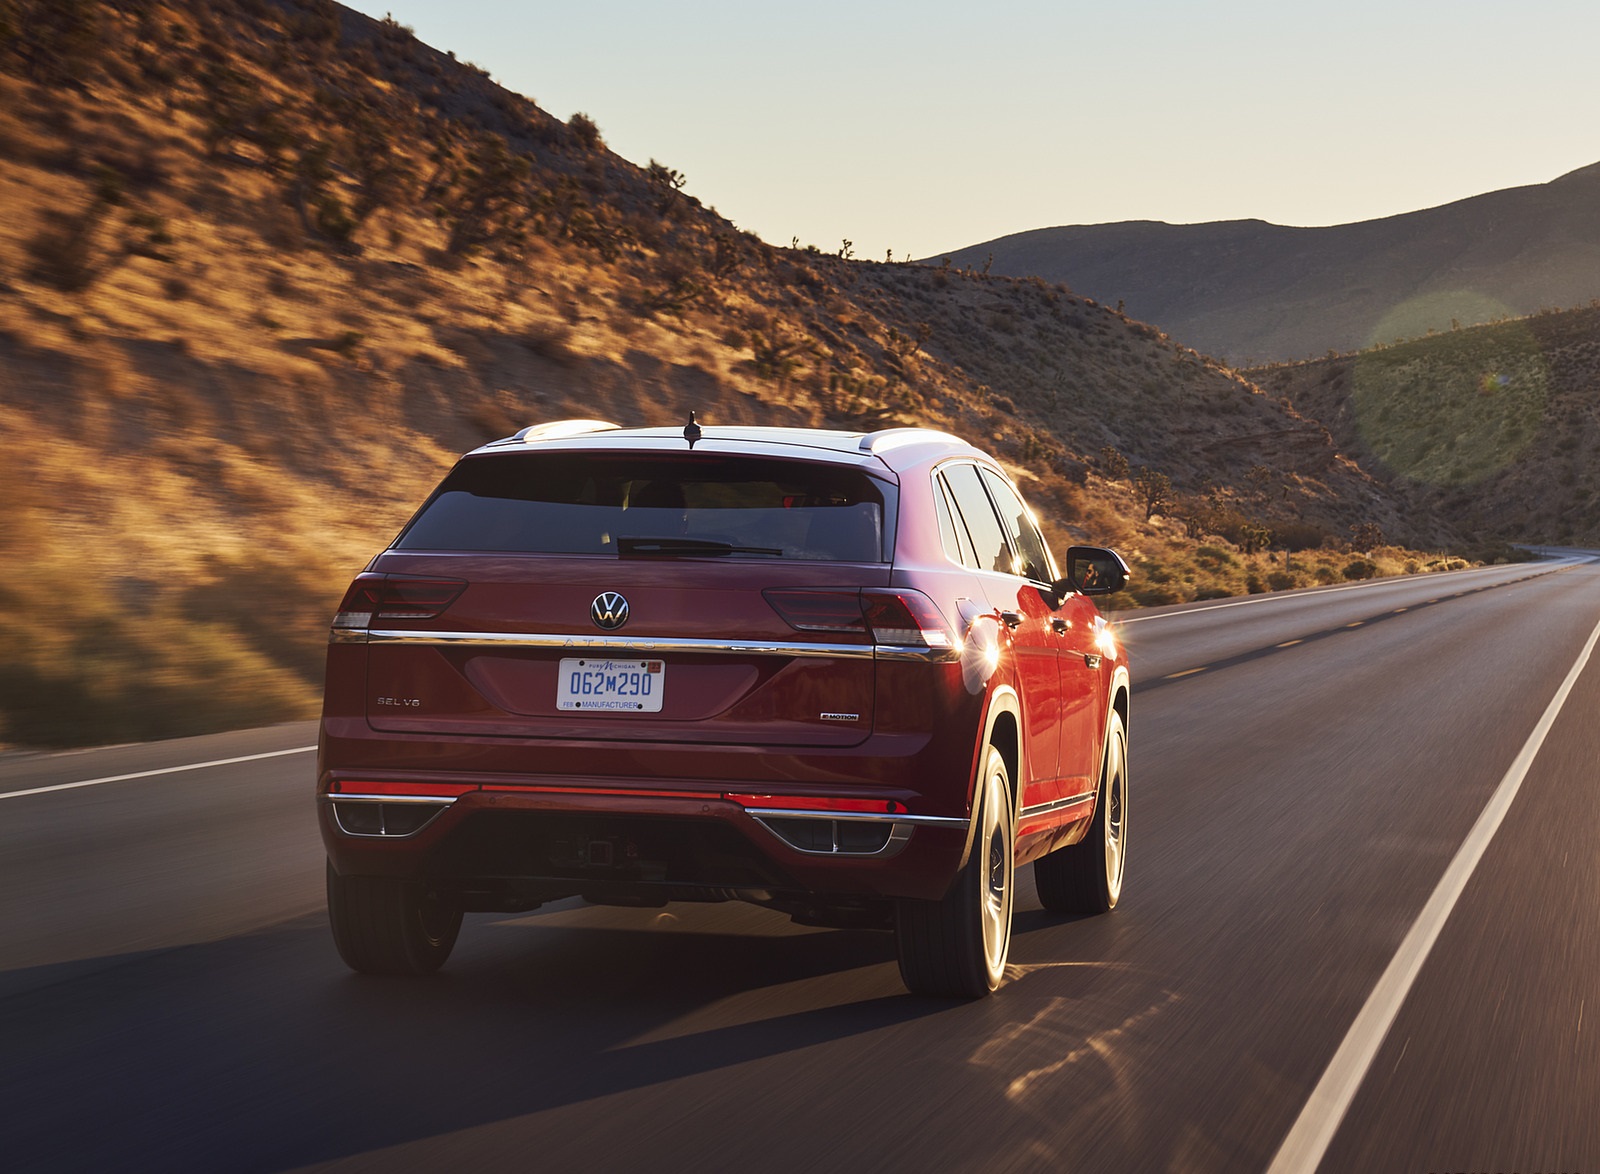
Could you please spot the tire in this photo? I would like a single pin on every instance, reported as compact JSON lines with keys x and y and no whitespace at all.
{"x":957,"y":946}
{"x":387,"y":925}
{"x":1086,"y":877}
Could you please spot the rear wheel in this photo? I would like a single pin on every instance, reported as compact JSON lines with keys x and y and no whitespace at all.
{"x":1086,"y":877}
{"x":388,"y":925}
{"x":958,"y":946}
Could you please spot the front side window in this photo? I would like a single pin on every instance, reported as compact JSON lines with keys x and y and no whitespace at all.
{"x":631,"y":505}
{"x":1033,"y":555}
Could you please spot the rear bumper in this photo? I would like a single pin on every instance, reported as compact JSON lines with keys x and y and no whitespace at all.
{"x":833,"y":824}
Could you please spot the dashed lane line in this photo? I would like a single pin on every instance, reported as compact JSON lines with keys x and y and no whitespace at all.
{"x":1309,"y":637}
{"x":1280,"y":596}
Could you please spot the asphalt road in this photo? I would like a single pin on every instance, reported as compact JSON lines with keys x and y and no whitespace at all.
{"x":1305,"y":769}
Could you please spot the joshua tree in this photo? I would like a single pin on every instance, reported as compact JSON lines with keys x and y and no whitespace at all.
{"x":1155,"y":490}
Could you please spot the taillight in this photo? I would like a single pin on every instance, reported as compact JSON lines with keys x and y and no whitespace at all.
{"x":386,"y":597}
{"x":819,"y":611}
{"x":359,"y":602}
{"x":904,"y":617}
{"x":888,"y":616}
{"x":417,"y":599}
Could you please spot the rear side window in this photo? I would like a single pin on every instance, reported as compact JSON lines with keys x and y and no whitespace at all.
{"x":993,"y":551}
{"x":952,"y":534}
{"x":696,"y":504}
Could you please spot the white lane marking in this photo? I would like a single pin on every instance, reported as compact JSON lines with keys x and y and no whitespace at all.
{"x":1308,"y":1139}
{"x":145,"y":774}
{"x":1279,"y":597}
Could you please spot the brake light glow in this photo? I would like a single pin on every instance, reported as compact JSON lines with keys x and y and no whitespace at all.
{"x":411,"y":790}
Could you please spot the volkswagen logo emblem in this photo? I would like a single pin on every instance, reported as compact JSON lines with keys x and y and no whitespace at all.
{"x":609,"y":610}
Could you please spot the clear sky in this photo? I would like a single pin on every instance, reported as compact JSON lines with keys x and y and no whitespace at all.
{"x":923,"y":127}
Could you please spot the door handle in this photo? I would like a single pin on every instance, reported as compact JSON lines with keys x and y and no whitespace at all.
{"x":1013,"y":619}
{"x":1060,"y":625}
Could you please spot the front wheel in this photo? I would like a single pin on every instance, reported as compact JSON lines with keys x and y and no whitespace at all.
{"x":387,"y":925}
{"x":958,"y":946}
{"x":1086,"y":877}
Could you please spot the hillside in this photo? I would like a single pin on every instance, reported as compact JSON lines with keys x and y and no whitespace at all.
{"x":268,"y":266}
{"x":1498,"y":425}
{"x":1249,"y":291}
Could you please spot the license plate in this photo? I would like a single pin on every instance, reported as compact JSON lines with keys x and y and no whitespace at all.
{"x":614,"y":686}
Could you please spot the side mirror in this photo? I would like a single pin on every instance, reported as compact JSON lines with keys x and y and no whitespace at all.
{"x":1093,"y":570}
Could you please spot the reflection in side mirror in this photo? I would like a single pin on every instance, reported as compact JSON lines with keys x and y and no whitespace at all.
{"x":1093,"y":570}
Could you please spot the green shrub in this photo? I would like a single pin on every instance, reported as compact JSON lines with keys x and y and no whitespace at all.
{"x":1359,"y":568}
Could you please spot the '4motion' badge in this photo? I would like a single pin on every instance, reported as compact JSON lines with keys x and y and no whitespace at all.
{"x":609,"y":610}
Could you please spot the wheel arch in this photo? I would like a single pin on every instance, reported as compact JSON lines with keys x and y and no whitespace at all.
{"x":1002,"y":725}
{"x":1121,"y":690}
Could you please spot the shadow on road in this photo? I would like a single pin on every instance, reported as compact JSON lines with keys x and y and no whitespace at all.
{"x":262,"y":1052}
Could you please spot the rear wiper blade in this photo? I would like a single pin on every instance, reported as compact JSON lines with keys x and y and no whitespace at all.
{"x":690,"y":546}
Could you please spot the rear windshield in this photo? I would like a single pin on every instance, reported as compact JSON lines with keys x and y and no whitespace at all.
{"x":698,"y":505}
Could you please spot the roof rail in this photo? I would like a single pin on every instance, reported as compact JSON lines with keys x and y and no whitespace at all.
{"x":888,"y":438}
{"x":557,"y":429}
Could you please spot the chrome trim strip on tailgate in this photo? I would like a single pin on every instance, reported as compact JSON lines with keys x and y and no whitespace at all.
{"x":636,"y":645}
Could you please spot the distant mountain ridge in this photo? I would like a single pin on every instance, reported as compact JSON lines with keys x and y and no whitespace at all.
{"x":1250,"y":291}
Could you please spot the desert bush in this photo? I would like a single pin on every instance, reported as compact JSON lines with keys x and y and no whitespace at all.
{"x":583,"y":129}
{"x":1298,"y":536}
{"x":1365,"y":535}
{"x":777,"y":355}
{"x":72,"y":252}
{"x":1148,"y":593}
{"x":317,"y":26}
{"x":1359,"y":568}
{"x":51,"y":41}
{"x":667,"y":181}
{"x":485,"y":198}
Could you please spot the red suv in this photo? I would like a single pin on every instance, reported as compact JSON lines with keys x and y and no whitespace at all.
{"x":839,"y":675}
